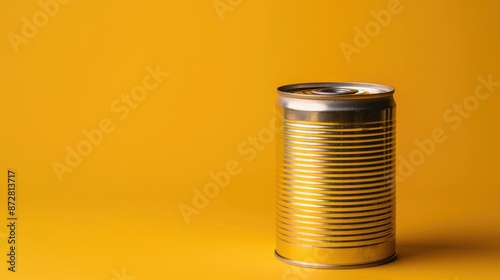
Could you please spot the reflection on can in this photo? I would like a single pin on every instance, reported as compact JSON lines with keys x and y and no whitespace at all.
{"x":336,"y":191}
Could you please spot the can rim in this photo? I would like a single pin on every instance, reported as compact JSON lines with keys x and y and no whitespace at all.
{"x":305,"y":264}
{"x":335,"y":90}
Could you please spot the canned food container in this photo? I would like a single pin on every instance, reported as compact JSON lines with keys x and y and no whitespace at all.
{"x":336,"y":179}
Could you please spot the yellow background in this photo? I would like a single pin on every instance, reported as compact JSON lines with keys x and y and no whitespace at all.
{"x":116,"y":215}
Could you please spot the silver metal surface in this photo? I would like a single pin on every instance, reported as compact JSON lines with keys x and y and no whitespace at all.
{"x":334,"y":266}
{"x":336,"y":175}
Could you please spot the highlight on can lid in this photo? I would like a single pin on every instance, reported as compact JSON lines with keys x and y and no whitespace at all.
{"x":335,"y":181}
{"x":335,"y":90}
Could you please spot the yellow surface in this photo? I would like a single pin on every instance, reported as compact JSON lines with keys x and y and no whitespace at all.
{"x":68,"y":67}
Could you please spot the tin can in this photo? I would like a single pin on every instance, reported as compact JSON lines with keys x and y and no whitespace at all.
{"x":335,"y":189}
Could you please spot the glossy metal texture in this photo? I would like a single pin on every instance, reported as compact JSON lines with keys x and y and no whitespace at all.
{"x":335,"y":189}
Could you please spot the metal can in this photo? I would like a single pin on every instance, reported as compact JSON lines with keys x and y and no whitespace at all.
{"x":336,"y":179}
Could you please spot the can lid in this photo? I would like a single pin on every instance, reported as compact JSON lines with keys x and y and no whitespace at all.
{"x":336,"y":90}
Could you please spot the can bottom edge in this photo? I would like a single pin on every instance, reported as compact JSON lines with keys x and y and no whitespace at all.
{"x":335,"y":266}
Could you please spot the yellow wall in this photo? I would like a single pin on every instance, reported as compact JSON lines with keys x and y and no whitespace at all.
{"x":115,"y":114}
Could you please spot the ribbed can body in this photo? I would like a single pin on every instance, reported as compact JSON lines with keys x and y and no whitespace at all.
{"x":335,"y":189}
